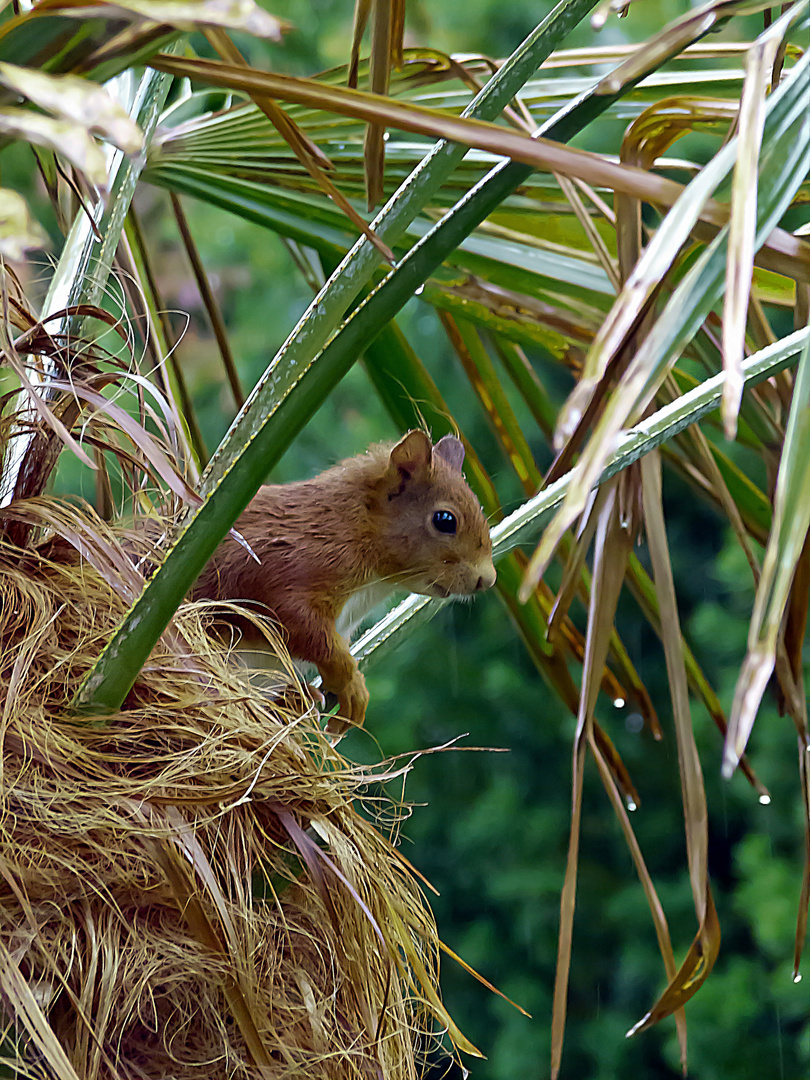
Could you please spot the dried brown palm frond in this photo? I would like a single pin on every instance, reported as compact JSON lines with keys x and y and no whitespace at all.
{"x":97,"y":397}
{"x":188,"y":888}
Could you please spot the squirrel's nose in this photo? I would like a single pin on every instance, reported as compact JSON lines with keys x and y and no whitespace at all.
{"x":487,"y":579}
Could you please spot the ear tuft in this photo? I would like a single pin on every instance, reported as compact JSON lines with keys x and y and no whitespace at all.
{"x":451,"y":450}
{"x":413,"y":455}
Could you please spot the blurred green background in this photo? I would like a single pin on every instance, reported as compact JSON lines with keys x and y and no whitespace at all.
{"x":490,"y":830}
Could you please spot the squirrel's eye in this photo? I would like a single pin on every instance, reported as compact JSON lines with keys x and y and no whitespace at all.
{"x":444,"y":521}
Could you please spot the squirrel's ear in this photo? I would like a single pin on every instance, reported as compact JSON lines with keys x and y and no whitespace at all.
{"x":451,"y":450}
{"x":412,"y":456}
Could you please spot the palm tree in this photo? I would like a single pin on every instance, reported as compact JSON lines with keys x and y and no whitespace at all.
{"x":665,"y":286}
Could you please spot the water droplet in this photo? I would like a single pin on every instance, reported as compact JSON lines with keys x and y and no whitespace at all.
{"x":765,"y":800}
{"x":386,"y":137}
{"x":419,"y":291}
{"x":797,"y":978}
{"x":631,"y":805}
{"x":619,"y":703}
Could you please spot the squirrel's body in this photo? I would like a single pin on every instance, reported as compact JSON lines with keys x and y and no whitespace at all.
{"x":332,"y":547}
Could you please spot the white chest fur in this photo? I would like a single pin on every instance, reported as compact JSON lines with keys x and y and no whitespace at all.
{"x":264,"y":666}
{"x":360,"y":604}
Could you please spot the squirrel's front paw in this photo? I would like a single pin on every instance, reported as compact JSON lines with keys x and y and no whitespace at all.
{"x":352,"y":704}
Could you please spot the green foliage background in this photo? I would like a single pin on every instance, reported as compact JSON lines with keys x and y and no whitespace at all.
{"x":490,"y":830}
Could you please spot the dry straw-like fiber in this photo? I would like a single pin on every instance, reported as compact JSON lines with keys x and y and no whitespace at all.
{"x":187,"y":888}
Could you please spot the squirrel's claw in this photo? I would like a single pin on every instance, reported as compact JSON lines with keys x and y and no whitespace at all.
{"x":352,"y":704}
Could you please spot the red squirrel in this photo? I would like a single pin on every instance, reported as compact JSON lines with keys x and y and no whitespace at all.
{"x":332,"y":547}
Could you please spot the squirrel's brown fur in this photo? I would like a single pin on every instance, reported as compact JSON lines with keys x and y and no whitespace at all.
{"x":368,"y":520}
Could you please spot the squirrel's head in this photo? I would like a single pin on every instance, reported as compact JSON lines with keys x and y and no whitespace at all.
{"x":436,"y":538}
